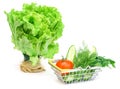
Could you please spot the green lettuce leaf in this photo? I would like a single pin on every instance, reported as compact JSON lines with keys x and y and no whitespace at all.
{"x":35,"y":29}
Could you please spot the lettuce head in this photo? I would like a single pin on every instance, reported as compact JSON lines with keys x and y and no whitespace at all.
{"x":35,"y":29}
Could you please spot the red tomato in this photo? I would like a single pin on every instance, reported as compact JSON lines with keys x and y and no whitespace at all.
{"x":64,"y":64}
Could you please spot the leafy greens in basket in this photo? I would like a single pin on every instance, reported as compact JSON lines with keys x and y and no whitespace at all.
{"x":87,"y":62}
{"x":86,"y":57}
{"x":35,"y":30}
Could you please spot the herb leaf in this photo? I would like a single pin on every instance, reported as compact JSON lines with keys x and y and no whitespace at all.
{"x":85,"y":57}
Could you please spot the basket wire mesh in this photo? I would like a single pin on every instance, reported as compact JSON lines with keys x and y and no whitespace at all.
{"x":75,"y":75}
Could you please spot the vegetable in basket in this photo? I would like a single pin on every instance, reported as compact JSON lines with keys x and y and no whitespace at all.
{"x":86,"y":57}
{"x":65,"y":64}
{"x":85,"y":60}
{"x":34,"y":32}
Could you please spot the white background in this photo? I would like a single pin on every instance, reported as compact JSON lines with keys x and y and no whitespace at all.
{"x":95,"y":21}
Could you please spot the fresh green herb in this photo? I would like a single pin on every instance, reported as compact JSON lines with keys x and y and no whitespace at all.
{"x":35,"y":30}
{"x":103,"y":62}
{"x":86,"y":57}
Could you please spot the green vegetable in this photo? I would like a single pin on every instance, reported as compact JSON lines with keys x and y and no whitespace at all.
{"x":71,"y":53}
{"x":85,"y":63}
{"x":86,"y":57}
{"x":103,"y":62}
{"x":35,"y":30}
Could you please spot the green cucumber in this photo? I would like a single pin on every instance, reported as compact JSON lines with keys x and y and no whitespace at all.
{"x":71,"y":53}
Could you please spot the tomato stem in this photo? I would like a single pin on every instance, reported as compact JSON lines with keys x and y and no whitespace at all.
{"x":63,"y":58}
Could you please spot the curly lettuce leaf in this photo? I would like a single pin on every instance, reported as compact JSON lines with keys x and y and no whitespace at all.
{"x":35,"y":29}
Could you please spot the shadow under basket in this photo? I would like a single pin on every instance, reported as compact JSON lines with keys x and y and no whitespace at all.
{"x":68,"y":76}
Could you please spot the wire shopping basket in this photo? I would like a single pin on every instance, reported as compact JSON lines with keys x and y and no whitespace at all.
{"x":74,"y":75}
